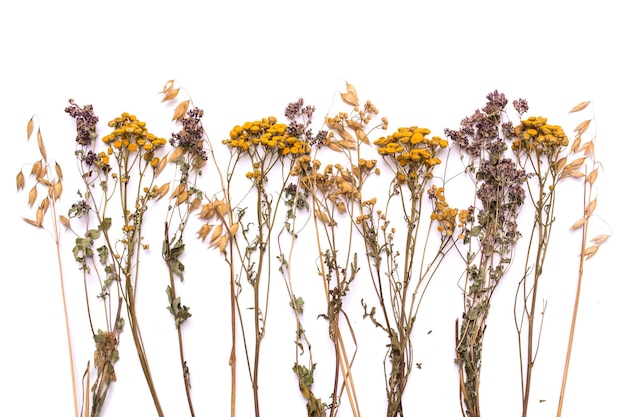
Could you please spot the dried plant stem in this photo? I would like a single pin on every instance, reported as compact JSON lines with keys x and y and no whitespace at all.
{"x":68,"y":334}
{"x":570,"y":341}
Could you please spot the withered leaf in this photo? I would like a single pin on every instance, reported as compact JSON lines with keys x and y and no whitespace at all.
{"x":170,"y":94}
{"x":582,"y":127}
{"x":580,"y":106}
{"x":180,"y":110}
{"x":29,"y":128}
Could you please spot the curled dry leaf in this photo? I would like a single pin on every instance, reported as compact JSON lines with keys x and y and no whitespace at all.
{"x":20,"y":182}
{"x":582,"y":127}
{"x":580,"y":106}
{"x":590,"y":251}
{"x":180,"y":110}
{"x":32,"y":196}
{"x":600,"y":239}
{"x":169,"y":95}
{"x":29,"y":128}
{"x":42,"y":148}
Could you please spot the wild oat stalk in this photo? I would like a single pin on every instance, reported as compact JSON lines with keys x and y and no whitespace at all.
{"x":49,"y":177}
{"x":268,"y":150}
{"x":492,"y":226}
{"x":125,"y":169}
{"x":589,"y":171}
{"x":539,"y":149}
{"x":400,"y":276}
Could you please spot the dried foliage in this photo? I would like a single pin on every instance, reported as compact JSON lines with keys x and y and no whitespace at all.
{"x":373,"y":207}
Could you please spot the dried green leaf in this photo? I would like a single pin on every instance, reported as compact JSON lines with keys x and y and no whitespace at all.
{"x":580,"y":106}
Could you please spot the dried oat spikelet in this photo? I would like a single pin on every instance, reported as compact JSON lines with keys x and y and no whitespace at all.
{"x":180,"y":110}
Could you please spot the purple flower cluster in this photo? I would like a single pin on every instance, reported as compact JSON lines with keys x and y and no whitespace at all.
{"x":86,"y":122}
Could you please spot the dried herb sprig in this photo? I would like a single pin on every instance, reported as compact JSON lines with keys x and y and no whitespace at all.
{"x":539,"y":148}
{"x":400,"y":273}
{"x":123,"y":164}
{"x":268,"y":149}
{"x":188,"y":157}
{"x":492,"y":225}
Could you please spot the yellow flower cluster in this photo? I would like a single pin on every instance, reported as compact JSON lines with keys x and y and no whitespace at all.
{"x":269,"y":134}
{"x":536,"y":136}
{"x":130,"y":135}
{"x":411,"y":146}
{"x":443,"y":214}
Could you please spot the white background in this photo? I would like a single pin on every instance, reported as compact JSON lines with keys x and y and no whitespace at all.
{"x":431,"y":64}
